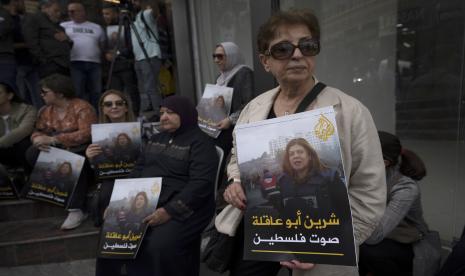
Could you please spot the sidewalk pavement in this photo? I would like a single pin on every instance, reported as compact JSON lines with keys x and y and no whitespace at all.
{"x":78,"y":268}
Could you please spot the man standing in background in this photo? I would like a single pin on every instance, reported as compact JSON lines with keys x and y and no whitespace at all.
{"x":147,"y":68}
{"x":47,"y":40}
{"x":27,"y":78}
{"x":88,"y":39}
{"x":123,"y":76}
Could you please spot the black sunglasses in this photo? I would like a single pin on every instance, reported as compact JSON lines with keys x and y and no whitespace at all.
{"x":116,"y":103}
{"x":44,"y":92}
{"x":218,"y":56}
{"x":284,"y":50}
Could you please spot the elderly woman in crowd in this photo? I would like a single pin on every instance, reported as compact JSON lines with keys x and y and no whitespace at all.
{"x":64,"y":122}
{"x":114,"y":107}
{"x":288,"y":43}
{"x":186,"y":159}
{"x":235,"y":74}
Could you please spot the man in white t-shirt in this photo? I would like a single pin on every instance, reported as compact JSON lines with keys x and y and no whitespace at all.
{"x":86,"y":54}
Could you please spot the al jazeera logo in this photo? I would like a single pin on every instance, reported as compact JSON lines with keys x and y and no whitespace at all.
{"x":324,"y":128}
{"x":155,"y":189}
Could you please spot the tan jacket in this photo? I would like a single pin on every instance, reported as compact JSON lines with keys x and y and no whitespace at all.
{"x":21,"y":124}
{"x":361,"y":153}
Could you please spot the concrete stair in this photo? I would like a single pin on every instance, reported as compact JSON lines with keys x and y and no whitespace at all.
{"x":30,"y":234}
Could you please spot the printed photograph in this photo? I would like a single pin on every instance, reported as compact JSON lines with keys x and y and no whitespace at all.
{"x":123,"y":229}
{"x":213,"y":107}
{"x":297,"y":201}
{"x":54,"y":176}
{"x":121,"y":145}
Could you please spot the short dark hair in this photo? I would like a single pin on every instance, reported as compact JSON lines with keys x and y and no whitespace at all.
{"x":79,"y":3}
{"x":267,"y":31}
{"x":59,"y":84}
{"x":48,"y":3}
{"x":316,"y":164}
{"x":107,"y":5}
{"x":11,"y":90}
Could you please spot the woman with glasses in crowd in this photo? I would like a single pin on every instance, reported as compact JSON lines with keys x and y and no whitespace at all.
{"x":64,"y":122}
{"x":235,"y":74}
{"x":288,"y":43}
{"x":114,"y":107}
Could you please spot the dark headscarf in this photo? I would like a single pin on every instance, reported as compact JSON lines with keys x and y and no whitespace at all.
{"x":186,"y":110}
{"x":391,"y":146}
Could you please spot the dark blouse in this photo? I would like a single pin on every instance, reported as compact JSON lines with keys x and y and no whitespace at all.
{"x":187,"y":163}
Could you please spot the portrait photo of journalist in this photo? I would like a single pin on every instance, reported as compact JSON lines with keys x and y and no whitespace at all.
{"x":63,"y":176}
{"x":123,"y":149}
{"x":137,"y":212}
{"x":305,"y":183}
{"x":130,"y":216}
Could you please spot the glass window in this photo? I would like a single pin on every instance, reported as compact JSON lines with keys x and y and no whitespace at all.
{"x":403,"y":59}
{"x":220,"y":21}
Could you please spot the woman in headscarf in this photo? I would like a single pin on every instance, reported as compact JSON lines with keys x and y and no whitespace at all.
{"x":235,"y":74}
{"x":186,"y":159}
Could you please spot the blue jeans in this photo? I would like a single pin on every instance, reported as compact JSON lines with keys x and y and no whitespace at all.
{"x":147,"y":81}
{"x":27,"y":81}
{"x":87,"y":79}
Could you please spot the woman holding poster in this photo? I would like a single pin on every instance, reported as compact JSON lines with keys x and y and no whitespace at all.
{"x":288,"y":43}
{"x":114,"y":107}
{"x":233,"y":73}
{"x":64,"y":122}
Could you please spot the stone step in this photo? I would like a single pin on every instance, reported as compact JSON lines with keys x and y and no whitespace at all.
{"x":39,"y":241}
{"x":25,"y":209}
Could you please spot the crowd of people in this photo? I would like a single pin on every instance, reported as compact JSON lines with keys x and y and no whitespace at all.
{"x":384,"y":195}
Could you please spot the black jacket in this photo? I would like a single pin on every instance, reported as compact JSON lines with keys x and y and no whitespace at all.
{"x":39,"y":33}
{"x":187,"y":163}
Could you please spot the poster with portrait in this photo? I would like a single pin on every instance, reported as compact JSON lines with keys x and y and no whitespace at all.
{"x":297,"y":202}
{"x":7,"y":188}
{"x":121,"y":146}
{"x":54,"y":176}
{"x":213,"y":107}
{"x":131,"y":201}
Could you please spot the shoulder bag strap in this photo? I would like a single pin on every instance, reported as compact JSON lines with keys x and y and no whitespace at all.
{"x":147,"y":27}
{"x":310,"y":97}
